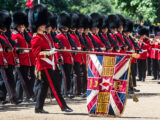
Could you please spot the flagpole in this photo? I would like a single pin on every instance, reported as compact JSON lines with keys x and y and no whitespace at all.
{"x":39,"y":1}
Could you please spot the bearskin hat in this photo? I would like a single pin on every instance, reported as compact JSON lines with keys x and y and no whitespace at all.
{"x":104,"y":23}
{"x":19,"y":18}
{"x":96,"y":20}
{"x":128,"y":26}
{"x":152,"y":29}
{"x":74,"y":20}
{"x":143,"y":30}
{"x":5,"y":20}
{"x":27,"y":11}
{"x":121,"y":20}
{"x":64,"y":20}
{"x":135,"y":28}
{"x":82,"y":21}
{"x":38,"y":15}
{"x":52,"y":20}
{"x":87,"y":21}
{"x":113,"y":21}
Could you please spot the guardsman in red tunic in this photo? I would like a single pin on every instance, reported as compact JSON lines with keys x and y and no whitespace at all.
{"x":19,"y":20}
{"x":103,"y":33}
{"x":96,"y":24}
{"x":112,"y":26}
{"x":8,"y":57}
{"x":45,"y":63}
{"x":142,"y":60}
{"x":63,"y":25}
{"x":134,"y":48}
{"x":87,"y":39}
{"x":78,"y":56}
{"x":125,"y":46}
{"x":84,"y":44}
{"x":151,"y":51}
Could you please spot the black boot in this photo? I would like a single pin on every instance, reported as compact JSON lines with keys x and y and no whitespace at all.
{"x":66,"y":109}
{"x":40,"y":111}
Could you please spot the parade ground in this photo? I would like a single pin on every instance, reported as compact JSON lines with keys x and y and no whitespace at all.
{"x":148,"y":107}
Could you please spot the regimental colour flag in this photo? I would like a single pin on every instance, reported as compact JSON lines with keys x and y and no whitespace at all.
{"x":107,"y":84}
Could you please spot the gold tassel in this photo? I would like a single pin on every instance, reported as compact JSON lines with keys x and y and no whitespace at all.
{"x":39,"y":75}
{"x":135,"y":99}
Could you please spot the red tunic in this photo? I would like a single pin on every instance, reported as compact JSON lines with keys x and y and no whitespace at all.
{"x":121,"y":37}
{"x":102,"y":46}
{"x":105,"y":37}
{"x":2,"y":56}
{"x":77,"y":57}
{"x":134,"y":60}
{"x":144,"y":47}
{"x":33,"y":62}
{"x":39,"y":43}
{"x":90,"y":42}
{"x":24,"y":58}
{"x":67,"y":57}
{"x":9,"y":56}
{"x":152,"y":51}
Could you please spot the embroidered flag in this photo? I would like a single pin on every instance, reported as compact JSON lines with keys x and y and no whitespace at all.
{"x":29,"y":3}
{"x":107,"y":84}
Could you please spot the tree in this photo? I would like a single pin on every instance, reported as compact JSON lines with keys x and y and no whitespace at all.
{"x":146,"y":9}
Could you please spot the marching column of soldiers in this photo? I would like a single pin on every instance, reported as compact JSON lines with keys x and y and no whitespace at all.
{"x":30,"y":69}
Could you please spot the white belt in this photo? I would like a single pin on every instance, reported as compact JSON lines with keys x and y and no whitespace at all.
{"x":26,"y":51}
{"x":103,"y":48}
{"x":47,"y":60}
{"x":143,"y":51}
{"x":1,"y":50}
{"x":156,"y":49}
{"x":79,"y":48}
{"x":132,"y":51}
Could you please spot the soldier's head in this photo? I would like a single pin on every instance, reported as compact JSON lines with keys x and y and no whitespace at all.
{"x":74,"y":22}
{"x":96,"y":22}
{"x":81,"y":24}
{"x":113,"y":23}
{"x":19,"y":21}
{"x":128,"y":27}
{"x":64,"y":22}
{"x":38,"y":18}
{"x":104,"y":26}
{"x":143,"y":32}
{"x":52,"y":24}
{"x":87,"y":24}
{"x":5,"y":20}
{"x":121,"y":23}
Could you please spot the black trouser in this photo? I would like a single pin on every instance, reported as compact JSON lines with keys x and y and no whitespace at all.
{"x":134,"y":73}
{"x":78,"y":77}
{"x":149,"y":66}
{"x":48,"y":78}
{"x":8,"y":79}
{"x":155,"y":68}
{"x":84,"y":78}
{"x":3,"y":91}
{"x":142,"y":69}
{"x":32,"y":79}
{"x":24,"y":81}
{"x":68,"y":70}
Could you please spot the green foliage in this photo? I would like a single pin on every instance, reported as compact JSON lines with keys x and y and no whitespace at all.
{"x":148,"y":9}
{"x":135,"y":9}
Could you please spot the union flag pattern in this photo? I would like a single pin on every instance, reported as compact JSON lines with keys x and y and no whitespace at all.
{"x":107,"y":84}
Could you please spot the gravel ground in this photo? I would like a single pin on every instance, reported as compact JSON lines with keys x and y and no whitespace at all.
{"x":148,"y":107}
